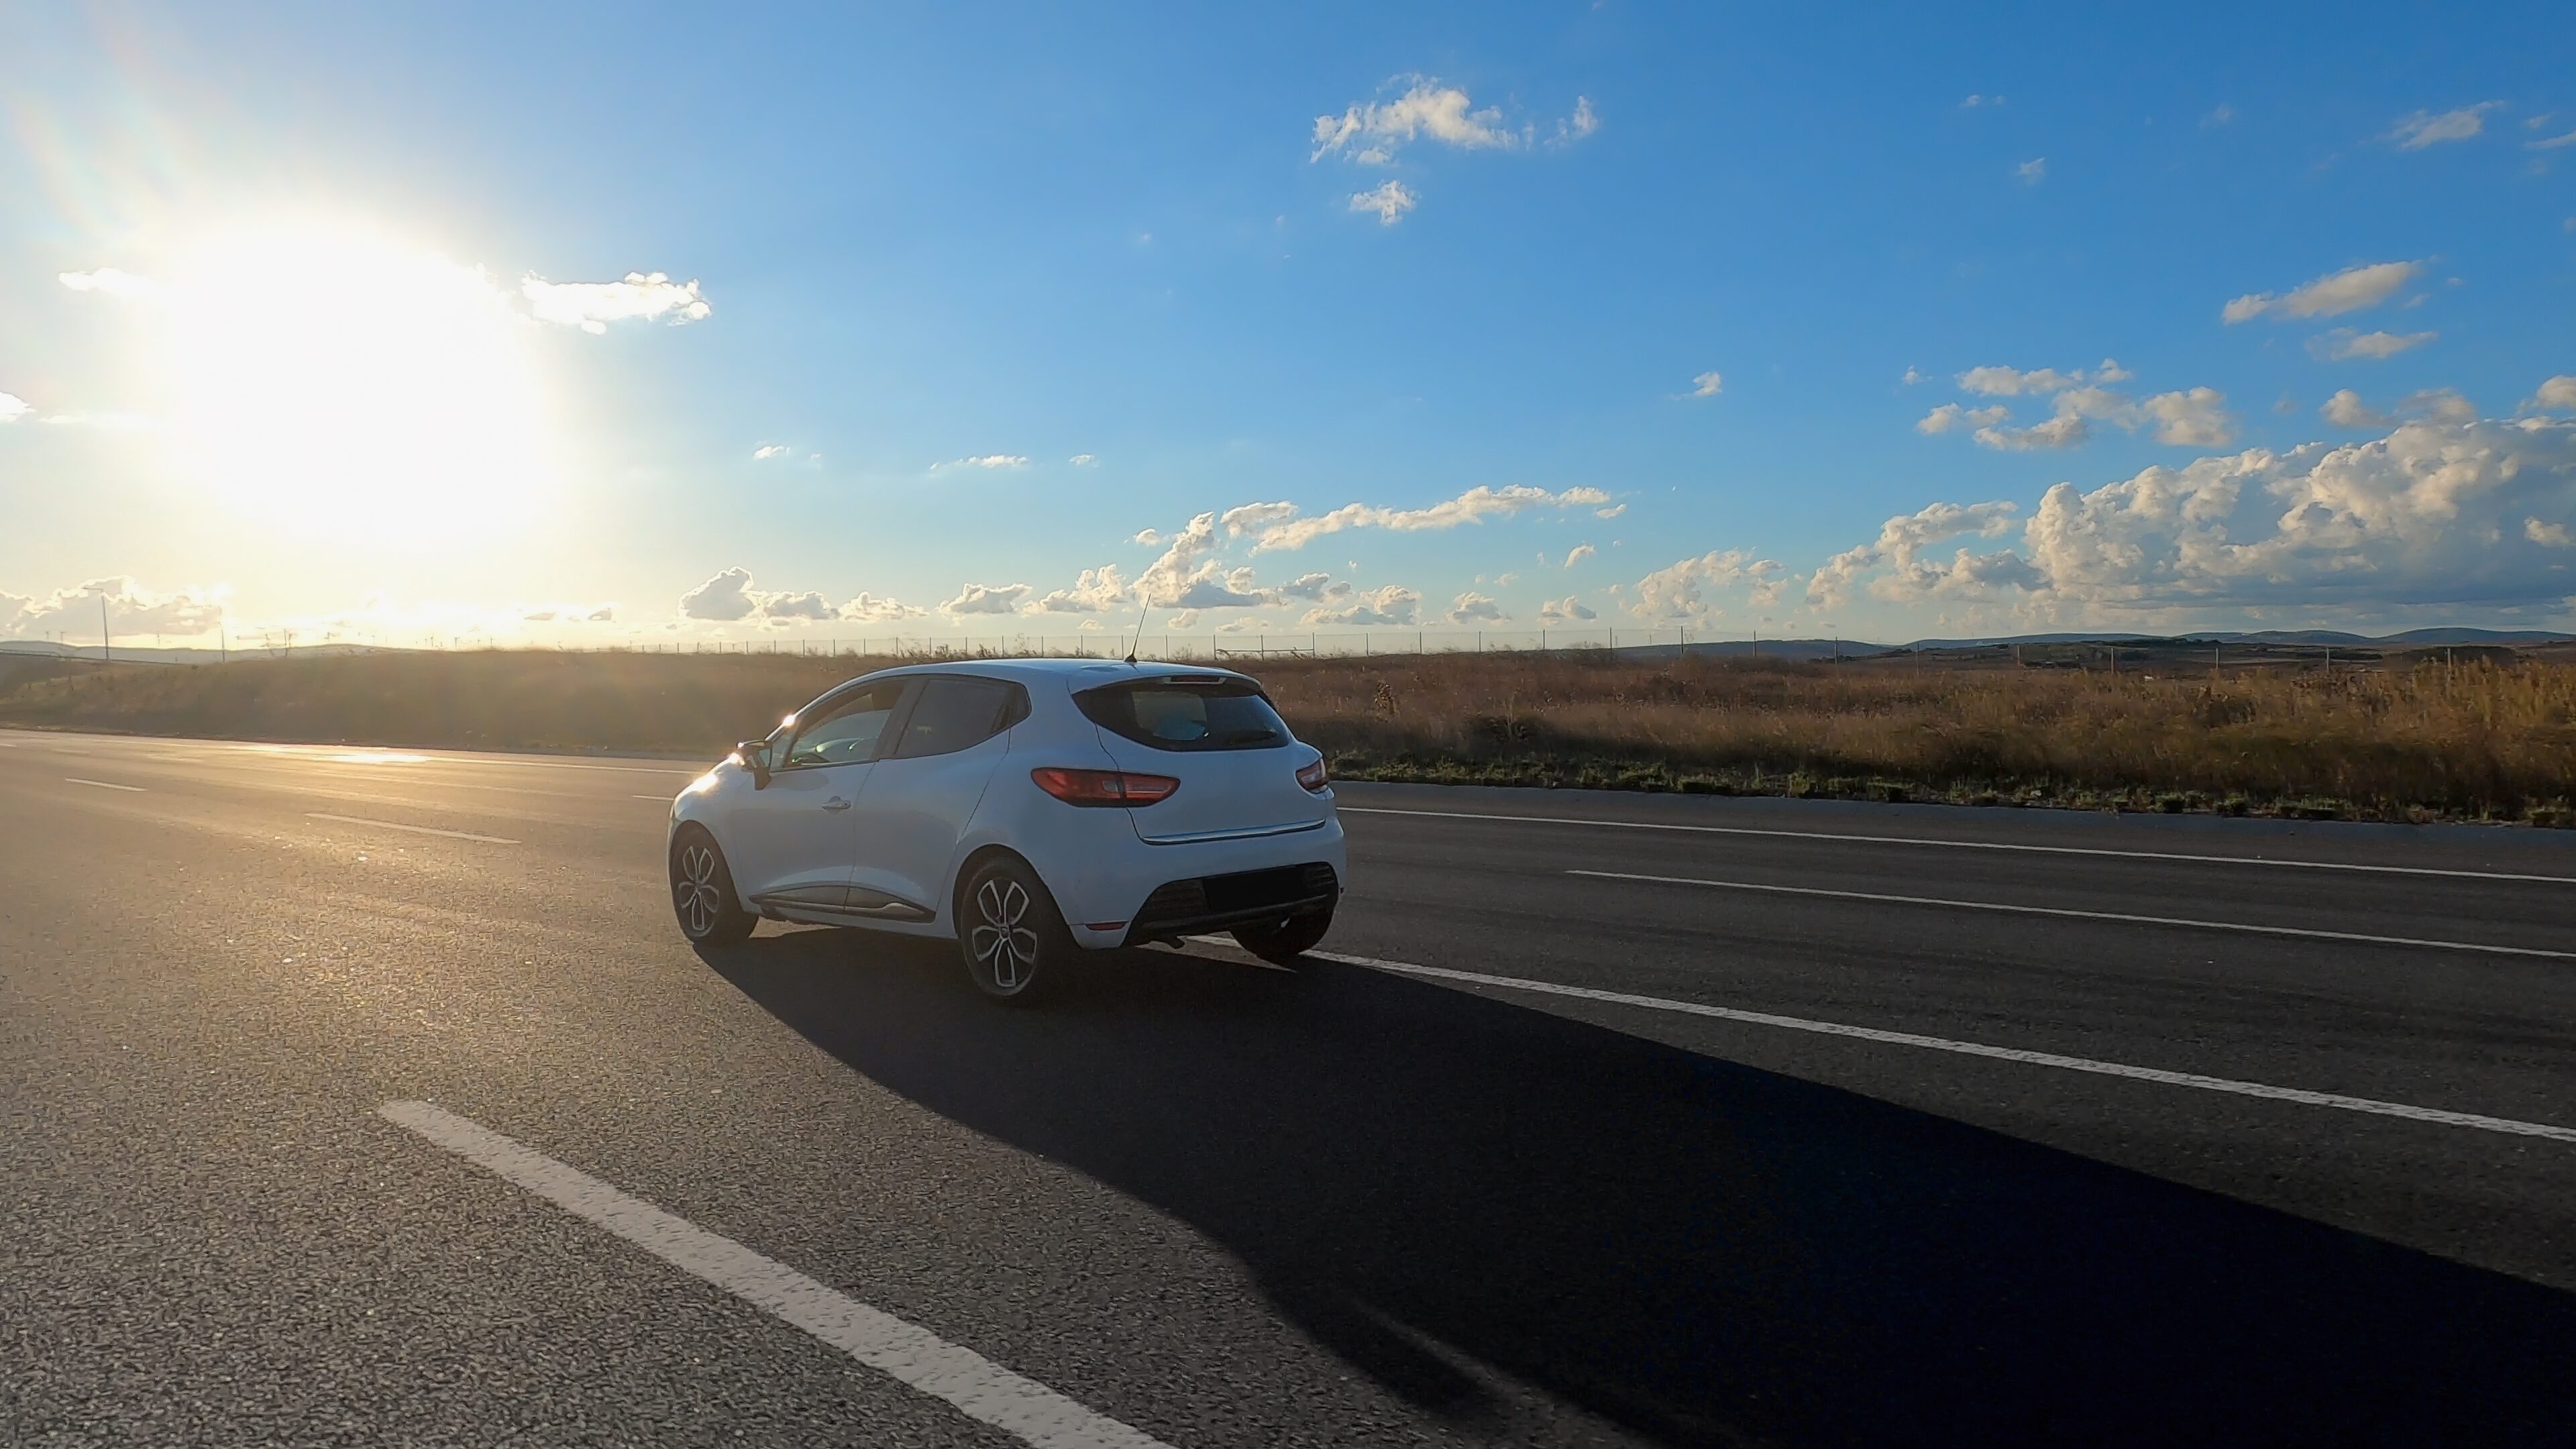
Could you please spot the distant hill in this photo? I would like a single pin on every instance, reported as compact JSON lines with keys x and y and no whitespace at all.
{"x":2411,"y":639}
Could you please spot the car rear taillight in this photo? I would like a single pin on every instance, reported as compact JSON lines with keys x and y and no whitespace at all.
{"x":1103,"y":787}
{"x":1315,"y":777}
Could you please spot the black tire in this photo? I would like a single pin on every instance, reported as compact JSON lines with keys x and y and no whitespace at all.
{"x":1281,"y":942}
{"x":1010,"y":932}
{"x":702,"y":895}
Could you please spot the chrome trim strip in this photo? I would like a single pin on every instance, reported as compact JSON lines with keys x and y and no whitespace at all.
{"x":1254,"y":833}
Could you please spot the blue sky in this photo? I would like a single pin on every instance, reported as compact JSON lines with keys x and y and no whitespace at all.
{"x":1488,"y":275}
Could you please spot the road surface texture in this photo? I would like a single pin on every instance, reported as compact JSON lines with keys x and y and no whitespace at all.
{"x":362,"y":1096}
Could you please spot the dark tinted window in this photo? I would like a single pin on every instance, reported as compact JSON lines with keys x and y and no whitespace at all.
{"x":1170,"y":715}
{"x":845,"y":728}
{"x":954,"y":713}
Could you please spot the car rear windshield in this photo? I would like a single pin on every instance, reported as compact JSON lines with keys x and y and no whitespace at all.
{"x":1216,"y":714}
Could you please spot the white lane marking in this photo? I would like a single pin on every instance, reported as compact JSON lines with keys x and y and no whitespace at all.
{"x":975,"y":1385}
{"x":101,"y":784}
{"x":1971,"y":844}
{"x":2264,"y":1090}
{"x":1740,"y":885}
{"x":413,"y":829}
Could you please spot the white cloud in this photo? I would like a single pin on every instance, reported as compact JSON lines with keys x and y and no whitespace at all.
{"x":1582,"y":123}
{"x":1393,"y":605}
{"x":570,"y":614}
{"x":591,"y":306}
{"x":989,"y":460}
{"x":2219,"y":115}
{"x":2552,"y":143}
{"x":1149,"y":537}
{"x":1707,"y":384}
{"x":2441,"y":404}
{"x":131,"y":609}
{"x":2424,"y":128}
{"x":2013,"y":382}
{"x":1094,"y":591}
{"x":1475,"y":609}
{"x":12,"y":408}
{"x":2343,"y":344}
{"x":1674,"y":592}
{"x":986,"y":599}
{"x":771,"y":450}
{"x":1278,"y":526}
{"x":2548,"y":535}
{"x":1372,"y":132}
{"x":110,"y":281}
{"x":1613,"y":511}
{"x":2349,"y":290}
{"x":1973,"y":102}
{"x":1578,"y":554}
{"x":1568,"y":610}
{"x":1950,"y":417}
{"x":1913,"y":376}
{"x":1082,"y":460}
{"x":2033,"y":171}
{"x":1901,"y":541}
{"x":2197,"y":418}
{"x":2442,"y":511}
{"x":729,"y":597}
{"x":2346,"y":410}
{"x":2557,"y":393}
{"x":1390,"y":199}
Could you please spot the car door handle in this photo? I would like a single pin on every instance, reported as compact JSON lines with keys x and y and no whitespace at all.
{"x":836,"y":803}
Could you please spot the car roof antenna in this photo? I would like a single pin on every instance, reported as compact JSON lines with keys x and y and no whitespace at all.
{"x":1138,"y":637}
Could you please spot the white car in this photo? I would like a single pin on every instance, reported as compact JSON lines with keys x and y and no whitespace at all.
{"x":1031,"y":809}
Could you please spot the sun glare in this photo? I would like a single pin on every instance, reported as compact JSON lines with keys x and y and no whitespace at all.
{"x":348,"y":385}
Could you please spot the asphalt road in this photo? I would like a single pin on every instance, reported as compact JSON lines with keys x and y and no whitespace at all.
{"x":1797,"y":1124}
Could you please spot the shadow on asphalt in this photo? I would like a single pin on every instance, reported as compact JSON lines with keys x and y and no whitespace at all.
{"x":1699,"y":1251}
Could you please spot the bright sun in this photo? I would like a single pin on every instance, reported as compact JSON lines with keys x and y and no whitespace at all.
{"x":351,"y":386}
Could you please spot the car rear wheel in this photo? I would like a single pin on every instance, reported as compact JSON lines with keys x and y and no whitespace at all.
{"x":1010,"y":932}
{"x":702,"y":893}
{"x":1283,"y":941}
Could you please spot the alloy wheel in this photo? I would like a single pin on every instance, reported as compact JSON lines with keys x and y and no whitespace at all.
{"x":694,"y":893}
{"x":1002,"y":941}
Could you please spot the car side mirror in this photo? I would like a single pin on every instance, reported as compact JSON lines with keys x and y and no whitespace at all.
{"x":754,"y":755}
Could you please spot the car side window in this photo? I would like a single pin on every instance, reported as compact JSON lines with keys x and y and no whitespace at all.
{"x":955,"y":713}
{"x":847,"y":729}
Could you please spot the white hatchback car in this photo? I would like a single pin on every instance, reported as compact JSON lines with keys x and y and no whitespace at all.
{"x":1029,"y":808}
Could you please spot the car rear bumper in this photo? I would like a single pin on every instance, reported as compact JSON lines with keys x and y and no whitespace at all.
{"x":1213,"y":903}
{"x":1116,"y":892}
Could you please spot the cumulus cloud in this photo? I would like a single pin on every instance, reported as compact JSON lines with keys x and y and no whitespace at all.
{"x":1707,"y":384}
{"x":1082,"y":460}
{"x":989,"y":460}
{"x":1149,"y":537}
{"x":2547,"y":535}
{"x":1094,"y":591}
{"x":771,"y":450}
{"x":2013,"y":382}
{"x":2443,"y":510}
{"x":1278,"y":526}
{"x":1578,"y":554}
{"x":1950,"y":417}
{"x":12,"y":408}
{"x":1675,"y":592}
{"x":986,"y":599}
{"x":1575,"y":127}
{"x":110,"y":282}
{"x":591,"y":306}
{"x":1474,"y":608}
{"x":1373,"y":131}
{"x":1390,"y":199}
{"x":2426,"y":128}
{"x":1901,"y":541}
{"x":1393,"y":605}
{"x":131,"y":609}
{"x":2346,"y":410}
{"x":2349,"y":290}
{"x":730,"y":598}
{"x":2558,"y":393}
{"x":2344,"y":344}
{"x":1568,"y":610}
{"x":2197,"y":418}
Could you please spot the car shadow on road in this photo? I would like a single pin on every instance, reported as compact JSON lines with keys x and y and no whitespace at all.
{"x":1696,"y":1250}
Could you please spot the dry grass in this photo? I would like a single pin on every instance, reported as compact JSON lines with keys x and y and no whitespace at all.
{"x":2488,"y":739}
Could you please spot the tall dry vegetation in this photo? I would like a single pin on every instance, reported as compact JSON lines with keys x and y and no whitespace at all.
{"x":2479,"y":739}
{"x":2485,"y":739}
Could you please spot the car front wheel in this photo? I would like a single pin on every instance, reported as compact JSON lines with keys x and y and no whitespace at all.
{"x":1010,"y":932}
{"x":702,"y":894}
{"x":1282,"y":942}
